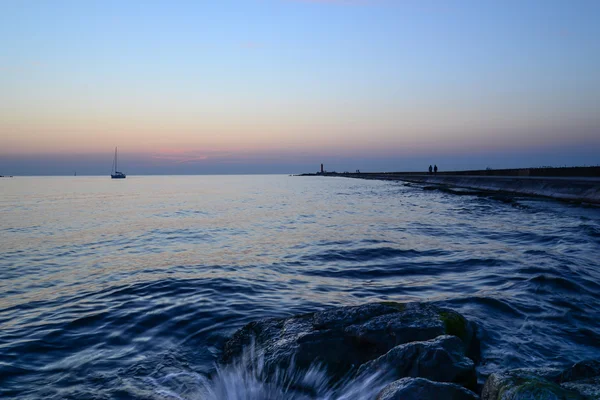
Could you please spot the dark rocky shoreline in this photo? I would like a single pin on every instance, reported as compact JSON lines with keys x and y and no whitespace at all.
{"x":423,"y":351}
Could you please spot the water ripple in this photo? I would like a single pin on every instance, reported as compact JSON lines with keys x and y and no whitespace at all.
{"x":128,"y":291}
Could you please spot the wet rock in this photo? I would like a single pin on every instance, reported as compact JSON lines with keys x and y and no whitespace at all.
{"x":581,"y":381}
{"x":517,"y":385}
{"x":344,"y":338}
{"x":441,"y":359}
{"x":590,"y":388}
{"x":581,"y":370}
{"x":583,"y":378}
{"x":424,"y":389}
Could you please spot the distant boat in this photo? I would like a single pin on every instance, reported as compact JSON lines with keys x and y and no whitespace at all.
{"x":115,"y":174}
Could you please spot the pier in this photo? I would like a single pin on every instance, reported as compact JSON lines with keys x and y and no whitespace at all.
{"x":581,"y":184}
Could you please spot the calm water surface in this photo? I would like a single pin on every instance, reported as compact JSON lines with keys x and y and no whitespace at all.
{"x":128,"y":289}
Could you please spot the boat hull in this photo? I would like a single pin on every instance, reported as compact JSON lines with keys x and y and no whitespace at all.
{"x":117,"y":176}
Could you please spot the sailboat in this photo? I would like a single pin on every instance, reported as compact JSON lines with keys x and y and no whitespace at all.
{"x":115,"y":174}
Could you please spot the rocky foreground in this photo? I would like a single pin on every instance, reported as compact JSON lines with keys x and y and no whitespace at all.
{"x":425,"y":352}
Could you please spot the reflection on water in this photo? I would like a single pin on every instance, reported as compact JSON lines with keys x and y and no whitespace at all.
{"x":106,"y":285}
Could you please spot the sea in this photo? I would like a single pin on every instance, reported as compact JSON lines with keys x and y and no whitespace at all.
{"x":127,"y":289}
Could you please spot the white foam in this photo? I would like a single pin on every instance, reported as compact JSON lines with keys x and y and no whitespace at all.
{"x":247,"y":379}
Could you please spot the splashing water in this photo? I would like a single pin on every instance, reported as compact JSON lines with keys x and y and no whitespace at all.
{"x":248,"y":379}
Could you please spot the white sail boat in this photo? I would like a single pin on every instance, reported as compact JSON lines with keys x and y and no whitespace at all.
{"x":115,"y":174}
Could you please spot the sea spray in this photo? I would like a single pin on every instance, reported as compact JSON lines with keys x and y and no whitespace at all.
{"x":248,"y":379}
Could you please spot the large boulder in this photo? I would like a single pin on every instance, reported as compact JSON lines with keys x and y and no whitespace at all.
{"x":424,"y":389}
{"x":441,"y":359}
{"x":580,"y":381}
{"x":343,"y":338}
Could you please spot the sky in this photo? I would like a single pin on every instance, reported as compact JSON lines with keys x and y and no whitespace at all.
{"x":280,"y":86}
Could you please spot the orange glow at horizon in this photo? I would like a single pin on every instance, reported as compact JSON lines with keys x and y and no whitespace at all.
{"x":405,"y":129}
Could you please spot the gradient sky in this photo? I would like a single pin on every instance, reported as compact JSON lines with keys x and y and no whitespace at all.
{"x":282,"y":85}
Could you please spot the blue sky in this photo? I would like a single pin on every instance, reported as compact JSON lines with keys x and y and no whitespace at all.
{"x":277,"y":85}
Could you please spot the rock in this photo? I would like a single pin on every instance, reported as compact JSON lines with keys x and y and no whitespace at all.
{"x":424,"y":389}
{"x":581,"y":370}
{"x":590,"y":388}
{"x":441,"y":359}
{"x":517,"y":386}
{"x":542,"y":384}
{"x":583,"y":378}
{"x":344,"y":338}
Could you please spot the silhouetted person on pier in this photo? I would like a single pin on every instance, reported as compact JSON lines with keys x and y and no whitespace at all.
{"x":435,"y":169}
{"x":430,"y":169}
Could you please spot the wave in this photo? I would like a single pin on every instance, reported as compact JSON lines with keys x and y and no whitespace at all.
{"x":370,"y":254}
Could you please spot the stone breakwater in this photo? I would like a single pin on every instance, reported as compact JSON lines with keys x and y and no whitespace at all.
{"x":581,"y":189}
{"x":572,"y":189}
{"x":419,"y":351}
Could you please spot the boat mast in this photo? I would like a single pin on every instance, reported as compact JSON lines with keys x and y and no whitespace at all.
{"x":116,"y":168}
